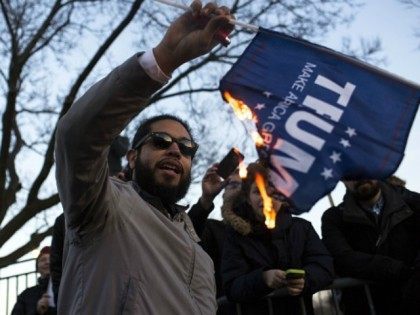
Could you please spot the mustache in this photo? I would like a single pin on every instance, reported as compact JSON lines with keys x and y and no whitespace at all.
{"x":363,"y":182}
{"x":172,"y":161}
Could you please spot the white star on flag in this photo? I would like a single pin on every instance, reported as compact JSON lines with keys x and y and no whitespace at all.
{"x":351,"y":132}
{"x":345,"y":143}
{"x":267,"y":94}
{"x":260,"y":106}
{"x":327,"y":173}
{"x":335,"y":157}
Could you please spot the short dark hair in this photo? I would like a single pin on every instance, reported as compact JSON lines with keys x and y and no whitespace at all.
{"x":145,"y":126}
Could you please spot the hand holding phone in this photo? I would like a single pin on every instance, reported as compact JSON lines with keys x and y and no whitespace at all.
{"x":229,"y":163}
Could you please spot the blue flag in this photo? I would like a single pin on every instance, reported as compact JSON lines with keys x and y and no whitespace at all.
{"x":323,"y":116}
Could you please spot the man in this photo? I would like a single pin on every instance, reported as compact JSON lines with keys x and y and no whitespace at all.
{"x":131,"y":249}
{"x":35,"y":300}
{"x":374,"y":234}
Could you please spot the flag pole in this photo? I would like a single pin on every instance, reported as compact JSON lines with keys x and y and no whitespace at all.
{"x":249,"y":27}
{"x":331,"y":200}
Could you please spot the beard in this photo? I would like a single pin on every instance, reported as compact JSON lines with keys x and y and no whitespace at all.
{"x":169,"y":194}
{"x":365,"y":190}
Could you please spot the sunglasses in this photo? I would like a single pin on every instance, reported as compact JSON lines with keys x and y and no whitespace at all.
{"x":162,"y":141}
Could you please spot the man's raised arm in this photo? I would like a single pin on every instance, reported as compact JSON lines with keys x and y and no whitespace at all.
{"x":85,"y":133}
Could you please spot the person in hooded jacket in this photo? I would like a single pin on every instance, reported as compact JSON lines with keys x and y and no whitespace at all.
{"x":255,"y":258}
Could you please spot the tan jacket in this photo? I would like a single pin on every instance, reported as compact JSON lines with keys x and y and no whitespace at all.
{"x":123,"y":255}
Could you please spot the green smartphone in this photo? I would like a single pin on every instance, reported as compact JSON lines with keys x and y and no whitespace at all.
{"x":295,"y":273}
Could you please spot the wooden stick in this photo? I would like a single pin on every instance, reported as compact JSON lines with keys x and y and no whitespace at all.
{"x":249,"y":27}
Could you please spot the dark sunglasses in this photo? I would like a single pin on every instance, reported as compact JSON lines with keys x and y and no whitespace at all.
{"x":162,"y":141}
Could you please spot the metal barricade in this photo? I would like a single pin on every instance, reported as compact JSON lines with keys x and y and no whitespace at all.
{"x":327,"y":309}
{"x":12,"y":285}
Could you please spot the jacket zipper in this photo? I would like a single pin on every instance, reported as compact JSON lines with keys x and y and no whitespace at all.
{"x":378,"y":242}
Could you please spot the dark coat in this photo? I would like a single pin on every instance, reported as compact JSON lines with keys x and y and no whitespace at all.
{"x":249,"y":251}
{"x":212,"y":235}
{"x":56,"y":257}
{"x":384,"y":252}
{"x":27,"y":301}
{"x":212,"y":240}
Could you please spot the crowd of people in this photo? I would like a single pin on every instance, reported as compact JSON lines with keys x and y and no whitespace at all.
{"x":124,"y":245}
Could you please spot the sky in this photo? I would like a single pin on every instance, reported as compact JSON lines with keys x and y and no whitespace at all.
{"x":395,"y":25}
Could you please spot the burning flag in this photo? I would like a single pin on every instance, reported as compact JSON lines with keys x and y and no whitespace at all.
{"x":320,"y":115}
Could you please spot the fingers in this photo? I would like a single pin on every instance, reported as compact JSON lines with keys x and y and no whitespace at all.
{"x":217,"y":23}
{"x":196,"y":8}
{"x":295,"y":286}
{"x":294,"y":291}
{"x":211,"y":174}
{"x":217,"y":19}
{"x":210,"y":9}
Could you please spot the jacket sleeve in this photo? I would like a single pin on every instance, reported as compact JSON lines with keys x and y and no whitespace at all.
{"x":56,"y":257}
{"x":317,"y":263}
{"x":412,"y":199}
{"x":354,"y":263}
{"x":19,"y":308}
{"x":240,"y":282}
{"x":83,"y":138}
{"x":198,"y":216}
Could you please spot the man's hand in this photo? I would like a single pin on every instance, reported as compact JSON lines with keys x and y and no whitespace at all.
{"x":42,"y":305}
{"x":211,"y":185}
{"x":295,"y":286}
{"x":192,"y":35}
{"x":274,"y":278}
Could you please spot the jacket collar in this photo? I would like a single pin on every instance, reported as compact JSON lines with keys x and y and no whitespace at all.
{"x":353,"y":212}
{"x":170,"y":210}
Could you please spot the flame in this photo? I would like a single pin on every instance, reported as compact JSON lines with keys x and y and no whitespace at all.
{"x":259,"y":141}
{"x":268,"y":210}
{"x":242,"y":170}
{"x":241,"y":110}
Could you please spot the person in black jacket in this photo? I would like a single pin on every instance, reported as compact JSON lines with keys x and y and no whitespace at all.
{"x":255,"y":258}
{"x":35,"y":300}
{"x":374,"y":234}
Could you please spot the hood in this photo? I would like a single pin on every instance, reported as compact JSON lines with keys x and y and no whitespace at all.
{"x":238,"y":223}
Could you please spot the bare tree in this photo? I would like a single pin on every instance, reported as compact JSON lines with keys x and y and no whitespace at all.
{"x":31,"y":30}
{"x":413,"y":5}
{"x":44,"y":43}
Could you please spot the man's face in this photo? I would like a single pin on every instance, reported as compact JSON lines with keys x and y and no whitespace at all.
{"x":363,"y":190}
{"x":44,"y":265}
{"x":165,"y":173}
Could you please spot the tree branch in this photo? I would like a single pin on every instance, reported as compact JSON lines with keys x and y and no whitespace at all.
{"x":27,"y":51}
{"x":32,"y":244}
{"x":69,"y":99}
{"x":14,"y":183}
{"x":9,"y":28}
{"x":27,"y":213}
